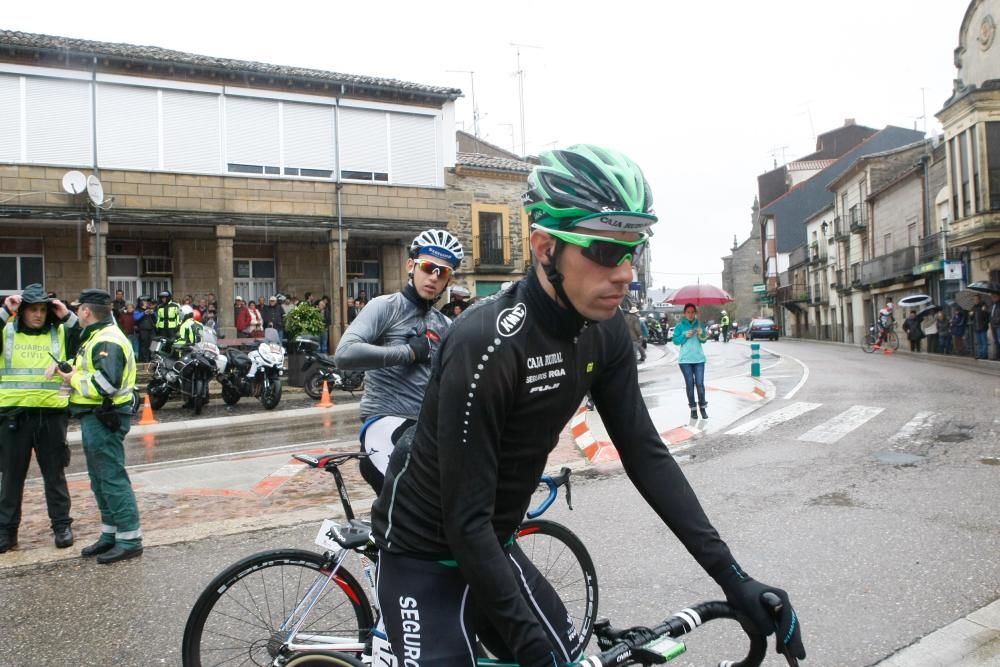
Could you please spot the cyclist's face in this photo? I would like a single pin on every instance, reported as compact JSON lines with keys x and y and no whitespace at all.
{"x":596,"y":291}
{"x":428,"y":285}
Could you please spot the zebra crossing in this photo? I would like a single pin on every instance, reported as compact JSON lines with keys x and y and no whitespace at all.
{"x":841,"y":424}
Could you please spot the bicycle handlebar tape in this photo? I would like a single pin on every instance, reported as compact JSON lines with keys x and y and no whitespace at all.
{"x":755,"y":360}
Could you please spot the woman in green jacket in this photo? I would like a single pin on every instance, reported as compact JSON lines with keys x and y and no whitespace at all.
{"x":689,"y":336}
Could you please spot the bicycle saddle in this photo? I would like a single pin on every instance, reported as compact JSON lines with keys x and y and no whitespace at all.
{"x":350,"y":535}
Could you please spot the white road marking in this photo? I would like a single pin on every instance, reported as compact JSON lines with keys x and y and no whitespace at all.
{"x":836,"y":428}
{"x":761,"y":424}
{"x":911,"y":429}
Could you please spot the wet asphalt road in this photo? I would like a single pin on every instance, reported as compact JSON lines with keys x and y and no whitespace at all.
{"x":876,"y":548}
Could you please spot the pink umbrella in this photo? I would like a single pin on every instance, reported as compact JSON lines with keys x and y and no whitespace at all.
{"x":700,"y":295}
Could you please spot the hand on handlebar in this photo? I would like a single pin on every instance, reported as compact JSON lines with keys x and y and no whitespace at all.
{"x":747,"y":595}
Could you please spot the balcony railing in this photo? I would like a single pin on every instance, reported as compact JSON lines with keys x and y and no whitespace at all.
{"x":794,"y":293}
{"x":799,"y":256}
{"x":841,"y":231}
{"x":490,"y":252}
{"x":817,"y":253}
{"x":858,"y":219}
{"x":819,"y":294}
{"x":932,"y":247}
{"x":890,"y":267}
{"x":856,"y":274}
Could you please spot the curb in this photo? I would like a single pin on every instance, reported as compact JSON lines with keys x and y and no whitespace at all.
{"x":75,"y":437}
{"x":986,"y":366}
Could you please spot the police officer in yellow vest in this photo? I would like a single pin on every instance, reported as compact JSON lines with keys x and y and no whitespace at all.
{"x":190,"y":331}
{"x":724,"y":325}
{"x":168,"y":315}
{"x":102,"y":381}
{"x":33,"y":411}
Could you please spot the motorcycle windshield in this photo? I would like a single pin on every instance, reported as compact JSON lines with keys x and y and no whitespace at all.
{"x":208,"y":336}
{"x":271,"y":336}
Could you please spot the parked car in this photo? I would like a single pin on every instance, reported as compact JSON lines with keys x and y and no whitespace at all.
{"x":762,"y":328}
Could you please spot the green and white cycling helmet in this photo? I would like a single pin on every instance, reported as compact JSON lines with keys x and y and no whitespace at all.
{"x":588,"y":187}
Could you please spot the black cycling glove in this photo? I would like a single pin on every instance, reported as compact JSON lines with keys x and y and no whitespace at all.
{"x":421,"y":348}
{"x":744,"y":593}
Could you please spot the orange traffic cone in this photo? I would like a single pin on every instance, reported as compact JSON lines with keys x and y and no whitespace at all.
{"x":147,"y":414}
{"x":324,"y":399}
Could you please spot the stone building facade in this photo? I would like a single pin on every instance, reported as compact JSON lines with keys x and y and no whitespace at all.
{"x":741,"y":271}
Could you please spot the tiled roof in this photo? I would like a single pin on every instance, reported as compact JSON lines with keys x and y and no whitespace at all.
{"x":809,"y":197}
{"x":16,"y":39}
{"x":480,"y":161}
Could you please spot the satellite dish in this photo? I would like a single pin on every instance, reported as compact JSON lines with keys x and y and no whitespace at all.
{"x":74,"y":182}
{"x":95,"y":190}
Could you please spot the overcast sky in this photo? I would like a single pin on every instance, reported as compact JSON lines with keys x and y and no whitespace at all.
{"x":703,"y":95}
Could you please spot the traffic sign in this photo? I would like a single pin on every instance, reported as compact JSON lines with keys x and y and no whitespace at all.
{"x":767,"y":300}
{"x":759,"y":287}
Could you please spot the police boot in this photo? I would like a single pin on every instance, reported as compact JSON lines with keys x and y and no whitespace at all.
{"x":63,"y":537}
{"x":8,"y":541}
{"x":117,"y":554}
{"x":96,"y":548}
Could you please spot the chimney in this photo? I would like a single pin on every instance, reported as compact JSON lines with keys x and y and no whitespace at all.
{"x":848,"y":122}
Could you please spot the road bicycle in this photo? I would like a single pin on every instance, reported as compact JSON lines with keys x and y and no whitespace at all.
{"x":869,"y":341}
{"x":638,"y":645}
{"x":270,"y":607}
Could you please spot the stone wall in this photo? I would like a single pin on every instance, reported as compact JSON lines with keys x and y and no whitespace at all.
{"x":229,"y":194}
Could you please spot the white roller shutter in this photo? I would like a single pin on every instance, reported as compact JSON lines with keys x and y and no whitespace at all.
{"x":414,"y":147}
{"x":58,"y":121}
{"x":363,"y":141}
{"x":10,"y":118}
{"x":252,"y":131}
{"x":127,"y":127}
{"x":308,"y":136}
{"x":191,"y":132}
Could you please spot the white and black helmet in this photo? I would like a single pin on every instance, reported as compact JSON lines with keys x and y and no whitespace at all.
{"x":437,"y":243}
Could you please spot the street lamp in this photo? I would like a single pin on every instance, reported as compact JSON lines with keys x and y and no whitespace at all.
{"x":824,"y":227}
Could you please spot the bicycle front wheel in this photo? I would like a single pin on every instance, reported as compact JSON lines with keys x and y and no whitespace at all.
{"x":245,"y":615}
{"x":868,"y":343}
{"x":562,"y":559}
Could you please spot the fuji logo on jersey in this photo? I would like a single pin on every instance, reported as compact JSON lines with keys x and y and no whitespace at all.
{"x":510,"y":320}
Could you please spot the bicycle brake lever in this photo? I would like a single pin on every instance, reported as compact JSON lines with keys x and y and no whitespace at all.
{"x":774,"y":605}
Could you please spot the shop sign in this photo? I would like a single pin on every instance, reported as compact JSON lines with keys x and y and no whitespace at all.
{"x":952,"y":269}
{"x":759,"y":287}
{"x":927,"y":267}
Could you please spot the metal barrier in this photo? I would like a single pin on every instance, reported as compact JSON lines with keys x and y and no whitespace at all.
{"x":755,"y":360}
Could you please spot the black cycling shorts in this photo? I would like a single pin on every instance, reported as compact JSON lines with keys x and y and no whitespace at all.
{"x":431,"y":616}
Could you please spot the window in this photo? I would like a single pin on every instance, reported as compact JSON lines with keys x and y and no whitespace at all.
{"x":17,"y":272}
{"x":911,"y":234}
{"x":192,"y":135}
{"x":953,"y":164}
{"x":10,"y":118}
{"x":977,"y":188}
{"x":490,"y":235}
{"x":57,"y":115}
{"x":253,"y":279}
{"x":253,"y":142}
{"x":993,"y":163}
{"x":414,"y":149}
{"x":364,"y":145}
{"x":307,"y":139}
{"x":133,"y":267}
{"x":963,"y":157}
{"x":887,"y":244}
{"x":128,"y":127}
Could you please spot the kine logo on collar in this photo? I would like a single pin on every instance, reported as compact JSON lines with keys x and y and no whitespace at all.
{"x":510,"y":320}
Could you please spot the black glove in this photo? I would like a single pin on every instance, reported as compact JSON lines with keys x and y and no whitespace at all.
{"x":744,"y":593}
{"x":421,"y":348}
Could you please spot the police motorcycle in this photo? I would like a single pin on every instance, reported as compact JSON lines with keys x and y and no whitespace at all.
{"x":319,"y":367}
{"x":187,"y":376}
{"x":656,"y":333}
{"x":256,"y":374}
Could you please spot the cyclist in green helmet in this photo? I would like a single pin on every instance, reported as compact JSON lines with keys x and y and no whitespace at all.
{"x":508,"y":376}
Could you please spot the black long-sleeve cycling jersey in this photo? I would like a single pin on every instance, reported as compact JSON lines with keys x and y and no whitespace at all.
{"x":509,"y":375}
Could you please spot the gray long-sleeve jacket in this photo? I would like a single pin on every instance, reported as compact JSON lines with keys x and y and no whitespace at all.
{"x":376,"y":343}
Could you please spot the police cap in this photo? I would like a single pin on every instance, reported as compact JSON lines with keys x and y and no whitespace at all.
{"x":98,"y":297}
